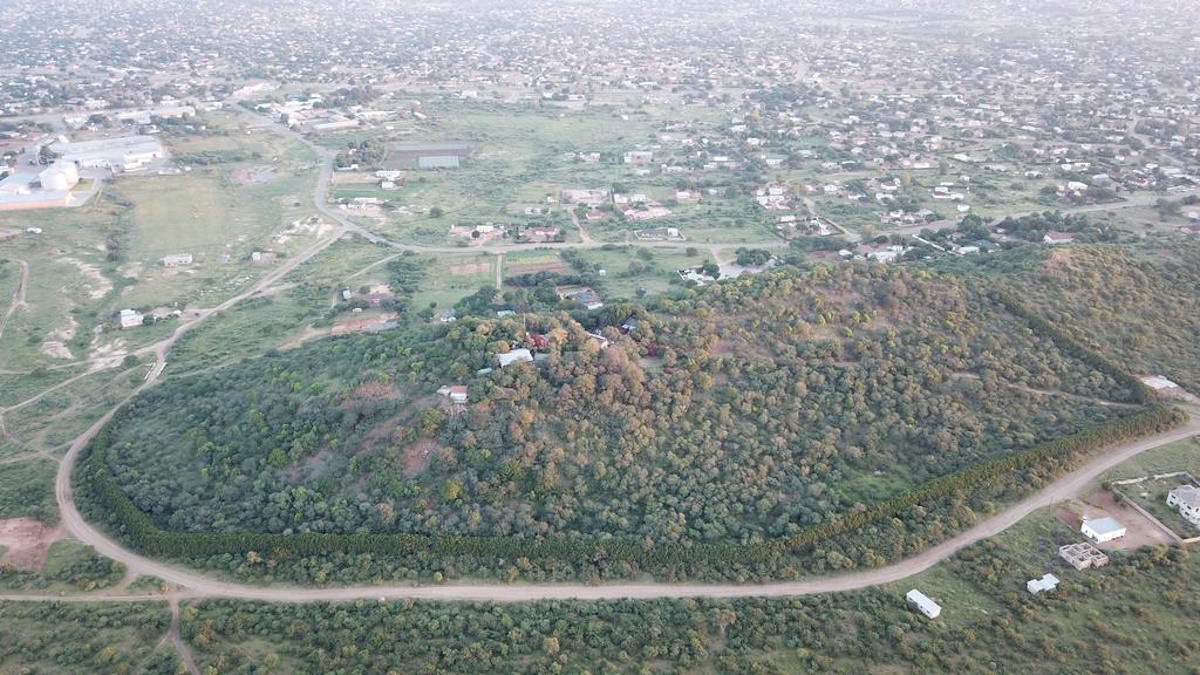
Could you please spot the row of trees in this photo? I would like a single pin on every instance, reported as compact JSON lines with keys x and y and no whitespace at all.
{"x":139,"y":529}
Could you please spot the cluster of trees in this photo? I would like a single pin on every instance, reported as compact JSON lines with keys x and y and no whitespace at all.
{"x":1091,"y":623}
{"x":1140,"y":308}
{"x":363,"y":153}
{"x":210,"y":157}
{"x":67,"y":637}
{"x":27,"y":490}
{"x":1034,"y":227}
{"x":689,"y":446}
{"x":753,"y":257}
{"x":1169,"y":208}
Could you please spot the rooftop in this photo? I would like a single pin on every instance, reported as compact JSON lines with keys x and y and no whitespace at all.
{"x":1104,"y":525}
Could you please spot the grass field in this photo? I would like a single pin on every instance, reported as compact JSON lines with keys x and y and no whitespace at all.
{"x":453,"y":277}
{"x":652,"y":269}
{"x":48,"y":424}
{"x":27,"y":490}
{"x":1179,"y":456}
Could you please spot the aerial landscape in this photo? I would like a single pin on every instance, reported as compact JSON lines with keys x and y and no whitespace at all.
{"x":517,"y":336}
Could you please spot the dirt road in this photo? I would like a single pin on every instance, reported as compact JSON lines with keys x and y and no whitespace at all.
{"x":198,"y":585}
{"x":583,"y":235}
{"x":18,"y":300}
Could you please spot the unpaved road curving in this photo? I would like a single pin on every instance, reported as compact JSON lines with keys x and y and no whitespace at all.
{"x":198,"y":585}
{"x":19,"y":295}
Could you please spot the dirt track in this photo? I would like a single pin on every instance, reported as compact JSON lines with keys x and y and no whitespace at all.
{"x":1069,"y":486}
{"x":18,"y":299}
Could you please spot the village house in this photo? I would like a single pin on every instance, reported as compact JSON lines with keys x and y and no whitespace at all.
{"x":515,"y":356}
{"x":1048,"y":582}
{"x":1186,"y":498}
{"x":1054,"y":238}
{"x":131,"y":318}
{"x":457,"y":393}
{"x":639,"y":157}
{"x":1101,"y":530}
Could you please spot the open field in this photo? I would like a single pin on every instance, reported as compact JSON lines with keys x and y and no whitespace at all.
{"x":451,"y":277}
{"x":654,"y":270}
{"x":48,"y":424}
{"x":27,"y":490}
{"x":1181,"y":456}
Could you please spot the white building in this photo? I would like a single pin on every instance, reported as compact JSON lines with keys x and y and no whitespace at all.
{"x":1101,"y":530}
{"x":457,"y":393}
{"x":131,"y":319}
{"x":923,"y":604}
{"x":1186,"y":498}
{"x":514,"y":356}
{"x":1047,"y":583}
{"x":177,"y":259}
{"x":62,"y":175}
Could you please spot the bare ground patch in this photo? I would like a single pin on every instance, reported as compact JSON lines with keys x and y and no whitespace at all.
{"x":416,"y":456}
{"x":99,"y":285}
{"x":469,"y":269}
{"x":27,"y":541}
{"x":517,"y":269}
{"x":1139,"y":531}
{"x":255,"y":175}
{"x":371,"y":391}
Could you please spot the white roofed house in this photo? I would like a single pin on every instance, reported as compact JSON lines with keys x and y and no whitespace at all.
{"x":131,"y":318}
{"x":1186,"y":498}
{"x":177,"y":259}
{"x":1101,"y":530}
{"x":1048,"y":582}
{"x":515,"y":356}
{"x":923,"y":604}
{"x":457,"y":393}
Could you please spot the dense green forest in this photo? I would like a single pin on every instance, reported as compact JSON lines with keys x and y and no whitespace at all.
{"x":882,"y":390}
{"x":1138,"y":615}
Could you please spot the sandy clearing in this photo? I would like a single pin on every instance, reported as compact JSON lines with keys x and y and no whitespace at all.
{"x":100,"y":286}
{"x":467,"y":269}
{"x":27,"y":541}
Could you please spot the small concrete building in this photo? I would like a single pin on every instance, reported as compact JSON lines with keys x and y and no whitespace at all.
{"x":457,"y":393}
{"x":515,"y":356}
{"x":1101,"y":530}
{"x":177,"y":259}
{"x":1048,"y":582}
{"x":923,"y":604}
{"x":131,"y":319}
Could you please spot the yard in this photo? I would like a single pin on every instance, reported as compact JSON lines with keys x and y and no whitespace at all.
{"x":1151,"y":495}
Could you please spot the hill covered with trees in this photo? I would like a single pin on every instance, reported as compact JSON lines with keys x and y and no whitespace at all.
{"x":1140,"y":306}
{"x":754,"y":411}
